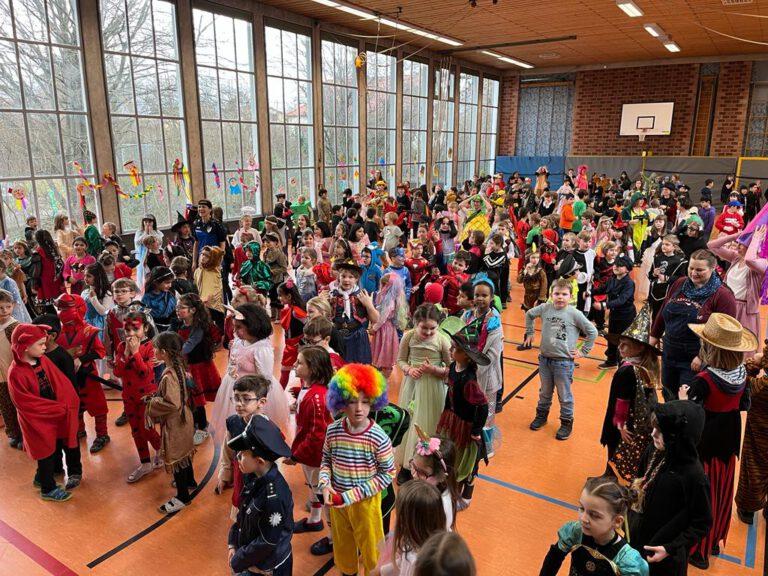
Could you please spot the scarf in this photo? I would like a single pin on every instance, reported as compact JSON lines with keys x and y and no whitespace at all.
{"x":690,"y":291}
{"x":347,"y":294}
{"x":24,"y":262}
{"x":730,"y":381}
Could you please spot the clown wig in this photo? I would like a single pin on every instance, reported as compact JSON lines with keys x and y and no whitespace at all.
{"x":352,"y":379}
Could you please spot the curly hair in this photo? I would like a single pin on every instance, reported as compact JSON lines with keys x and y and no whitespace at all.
{"x":352,"y":379}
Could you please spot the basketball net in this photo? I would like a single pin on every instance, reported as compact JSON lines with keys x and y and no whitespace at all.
{"x":641,"y":136}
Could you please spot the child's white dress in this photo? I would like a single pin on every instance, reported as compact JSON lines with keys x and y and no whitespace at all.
{"x":245,"y":358}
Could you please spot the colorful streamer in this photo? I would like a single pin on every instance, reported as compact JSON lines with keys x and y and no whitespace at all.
{"x":133,"y":171}
{"x":216,"y":177}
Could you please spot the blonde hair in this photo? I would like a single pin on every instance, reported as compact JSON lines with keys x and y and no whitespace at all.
{"x":720,"y":358}
{"x":321,"y":304}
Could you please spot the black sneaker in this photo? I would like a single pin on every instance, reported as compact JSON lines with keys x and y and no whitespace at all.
{"x":698,"y":561}
{"x":605,"y":365}
{"x":321,"y":547}
{"x":122,"y":420}
{"x":73,"y":482}
{"x":746,"y":517}
{"x":99,"y":443}
{"x":565,"y":430}
{"x":539,"y":421}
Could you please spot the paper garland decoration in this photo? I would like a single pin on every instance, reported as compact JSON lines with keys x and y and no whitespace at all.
{"x":181,"y":179}
{"x":133,"y":172}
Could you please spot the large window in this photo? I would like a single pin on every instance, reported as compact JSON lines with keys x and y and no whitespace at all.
{"x":465,"y":154}
{"x":289,"y":85}
{"x":380,"y":71}
{"x":227,"y":89}
{"x":490,"y":122}
{"x":442,"y":127}
{"x":43,"y":113}
{"x":340,"y":119}
{"x":756,"y":140}
{"x":141,"y":57}
{"x":415,"y":96}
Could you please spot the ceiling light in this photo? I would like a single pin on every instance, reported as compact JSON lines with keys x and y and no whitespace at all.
{"x":508,"y":59}
{"x":448,"y":41}
{"x":671,"y":46}
{"x":653,"y":30}
{"x":393,"y":24}
{"x":327,"y":3}
{"x":629,"y":8}
{"x":356,"y":12}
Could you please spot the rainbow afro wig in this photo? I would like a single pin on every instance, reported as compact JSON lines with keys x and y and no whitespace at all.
{"x":352,"y":379}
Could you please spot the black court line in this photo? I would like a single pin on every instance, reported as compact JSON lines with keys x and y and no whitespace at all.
{"x":520,"y":386}
{"x":325,"y":568}
{"x":164,"y":519}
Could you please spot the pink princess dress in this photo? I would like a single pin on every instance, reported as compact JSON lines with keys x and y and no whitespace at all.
{"x":393,"y":309}
{"x":245,"y":358}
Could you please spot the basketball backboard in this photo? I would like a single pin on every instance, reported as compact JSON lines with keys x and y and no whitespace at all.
{"x":652,"y":119}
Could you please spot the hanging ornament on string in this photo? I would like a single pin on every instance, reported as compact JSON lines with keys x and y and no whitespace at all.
{"x":81,"y":189}
{"x":216,"y":177}
{"x":133,"y":172}
{"x":360,"y":60}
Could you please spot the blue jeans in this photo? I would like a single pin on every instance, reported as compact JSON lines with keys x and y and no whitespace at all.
{"x":556,"y":373}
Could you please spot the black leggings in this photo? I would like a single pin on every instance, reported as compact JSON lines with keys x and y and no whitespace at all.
{"x":46,"y":467}
{"x":201,"y":420}
{"x":185,"y":480}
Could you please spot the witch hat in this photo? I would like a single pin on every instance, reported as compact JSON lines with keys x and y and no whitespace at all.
{"x":180,"y":221}
{"x":639,"y":330}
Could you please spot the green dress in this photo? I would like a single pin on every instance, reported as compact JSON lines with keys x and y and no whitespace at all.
{"x":425,"y":397}
{"x":94,"y":241}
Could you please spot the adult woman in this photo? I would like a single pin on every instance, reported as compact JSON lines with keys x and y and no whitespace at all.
{"x":673,"y":510}
{"x":745,"y":274}
{"x":64,"y":234}
{"x":207,"y":230}
{"x":477,"y":209}
{"x":690,"y":300}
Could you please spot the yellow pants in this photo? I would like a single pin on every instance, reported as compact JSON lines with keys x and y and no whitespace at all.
{"x":357,"y":527}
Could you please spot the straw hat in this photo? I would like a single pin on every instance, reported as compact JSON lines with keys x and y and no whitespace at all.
{"x":725,"y":332}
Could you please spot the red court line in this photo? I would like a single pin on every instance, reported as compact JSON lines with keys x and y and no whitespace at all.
{"x":33,"y":551}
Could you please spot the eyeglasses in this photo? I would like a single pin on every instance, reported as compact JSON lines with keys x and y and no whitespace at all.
{"x":123,"y":291}
{"x":416,"y":471}
{"x":311,"y":342}
{"x":242,"y":399}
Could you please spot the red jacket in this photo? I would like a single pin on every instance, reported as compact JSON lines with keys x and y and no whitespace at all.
{"x":312,"y":420}
{"x":136,"y":373}
{"x":417,"y":268}
{"x":48,"y":284}
{"x":122,"y":270}
{"x":729,"y":223}
{"x":451,"y":283}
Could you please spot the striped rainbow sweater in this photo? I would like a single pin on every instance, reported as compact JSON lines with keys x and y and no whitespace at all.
{"x":357,"y":466}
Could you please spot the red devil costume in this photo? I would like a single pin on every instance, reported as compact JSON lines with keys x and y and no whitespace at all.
{"x":82,"y":341}
{"x":136,"y":372}
{"x":47,"y":407}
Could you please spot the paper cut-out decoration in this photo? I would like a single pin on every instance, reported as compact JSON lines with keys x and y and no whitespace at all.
{"x":52,"y":199}
{"x":292,"y":182}
{"x":382,"y":161}
{"x":216,"y":177}
{"x":133,"y":172}
{"x":450,"y":153}
{"x":234,"y":187}
{"x":20,"y":196}
{"x":357,"y":174}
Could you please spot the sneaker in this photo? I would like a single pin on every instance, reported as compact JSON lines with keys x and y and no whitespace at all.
{"x":73,"y":481}
{"x":698,"y":561}
{"x":139,"y":473}
{"x":746,"y":517}
{"x":173,"y":505}
{"x":158,"y":462}
{"x":565,"y":430}
{"x":200,"y":437}
{"x":539,"y":421}
{"x":99,"y":443}
{"x":524,"y":346}
{"x":58,"y":494}
{"x":605,"y":365}
{"x":122,"y":420}
{"x":462,"y":504}
{"x":304,"y":525}
{"x":321,"y":547}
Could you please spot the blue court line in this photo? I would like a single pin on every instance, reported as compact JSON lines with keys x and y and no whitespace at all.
{"x":750,"y":554}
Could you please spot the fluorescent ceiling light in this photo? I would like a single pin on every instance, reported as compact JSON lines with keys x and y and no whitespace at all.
{"x":508,"y":59}
{"x":671,"y":46}
{"x":448,"y":41}
{"x":327,"y":3}
{"x":393,"y":24}
{"x":653,"y":30}
{"x":356,"y":12}
{"x":629,"y":8}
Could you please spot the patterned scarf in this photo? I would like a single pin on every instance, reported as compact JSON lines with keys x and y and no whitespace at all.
{"x":691,"y":292}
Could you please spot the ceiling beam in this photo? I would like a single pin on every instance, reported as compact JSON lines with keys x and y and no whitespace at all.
{"x":509,"y":44}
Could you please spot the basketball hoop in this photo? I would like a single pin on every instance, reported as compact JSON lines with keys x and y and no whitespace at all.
{"x":641,"y":135}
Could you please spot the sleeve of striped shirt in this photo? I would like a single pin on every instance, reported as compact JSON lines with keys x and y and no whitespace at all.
{"x":385,"y":471}
{"x":324,"y":479}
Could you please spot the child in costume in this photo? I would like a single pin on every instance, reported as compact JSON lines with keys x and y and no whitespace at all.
{"x":194,"y":326}
{"x":254,"y":272}
{"x":250,"y":352}
{"x":159,"y":298}
{"x":313,"y":367}
{"x":357,"y":465}
{"x":602,"y":276}
{"x":353,"y":311}
{"x":98,"y":298}
{"x":452,"y":280}
{"x":306,"y":279}
{"x":169,"y":406}
{"x":208,"y":281}
{"x":260,"y":539}
{"x":82,"y":341}
{"x":423,"y":358}
{"x":397,"y":265}
{"x":92,"y":236}
{"x":721,"y":389}
{"x":292,"y":319}
{"x":134,"y":365}
{"x":534,"y":281}
{"x":433,"y":462}
{"x":393,"y":319}
{"x":465,"y":414}
{"x":7,"y":410}
{"x":620,"y":302}
{"x":46,"y":270}
{"x":75,"y":264}
{"x":669,"y":264}
{"x":20,"y":312}
{"x":148,"y":228}
{"x":371,"y":271}
{"x":635,"y":391}
{"x":47,"y":408}
{"x":419,"y":515}
{"x":593,"y":541}
{"x":275,"y":258}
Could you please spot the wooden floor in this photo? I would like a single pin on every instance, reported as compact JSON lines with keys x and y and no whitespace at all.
{"x":527,"y":492}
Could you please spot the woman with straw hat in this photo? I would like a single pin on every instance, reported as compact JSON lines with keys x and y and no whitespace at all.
{"x":721,"y":389}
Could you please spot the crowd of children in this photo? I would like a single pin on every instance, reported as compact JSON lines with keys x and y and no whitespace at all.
{"x":417,"y":281}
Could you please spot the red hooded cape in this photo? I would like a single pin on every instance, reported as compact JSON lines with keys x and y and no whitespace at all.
{"x":42,"y":421}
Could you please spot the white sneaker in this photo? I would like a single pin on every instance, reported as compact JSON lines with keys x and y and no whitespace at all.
{"x":200,"y":437}
{"x":158,"y":462}
{"x":173,"y":505}
{"x":139,"y":473}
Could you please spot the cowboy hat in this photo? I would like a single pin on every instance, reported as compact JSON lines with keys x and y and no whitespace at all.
{"x":724,"y":331}
{"x":478,"y":357}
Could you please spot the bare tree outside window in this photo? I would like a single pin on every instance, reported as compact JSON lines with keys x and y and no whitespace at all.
{"x":381,"y":131}
{"x":415,"y":97}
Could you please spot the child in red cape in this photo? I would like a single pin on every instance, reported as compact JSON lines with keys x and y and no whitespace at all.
{"x":47,"y":406}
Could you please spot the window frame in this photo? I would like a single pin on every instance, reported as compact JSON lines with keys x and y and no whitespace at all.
{"x":491,"y":135}
{"x":415,"y":172}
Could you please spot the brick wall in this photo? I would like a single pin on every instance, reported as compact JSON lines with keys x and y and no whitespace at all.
{"x":599,"y":98}
{"x":508,"y":104}
{"x":731,"y":108}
